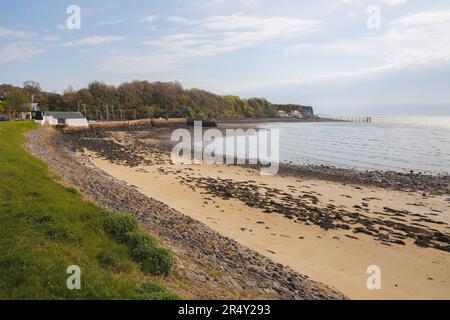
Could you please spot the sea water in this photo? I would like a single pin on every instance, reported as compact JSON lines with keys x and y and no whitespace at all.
{"x":420,"y":144}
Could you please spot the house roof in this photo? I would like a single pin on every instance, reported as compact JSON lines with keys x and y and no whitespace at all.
{"x":65,"y":115}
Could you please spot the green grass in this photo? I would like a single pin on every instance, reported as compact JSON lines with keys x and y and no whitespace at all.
{"x":45,"y":228}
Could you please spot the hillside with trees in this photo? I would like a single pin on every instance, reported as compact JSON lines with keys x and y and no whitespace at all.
{"x":137,"y":100}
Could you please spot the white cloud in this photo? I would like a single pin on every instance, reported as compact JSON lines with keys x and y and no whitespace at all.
{"x":5,"y":32}
{"x":142,"y":64}
{"x":50,"y":38}
{"x":320,"y":77}
{"x":424,"y":18}
{"x":105,"y":23}
{"x":178,"y":20}
{"x":149,"y":18}
{"x":225,"y":33}
{"x":394,"y":2}
{"x":90,"y":41}
{"x":382,"y":2}
{"x":240,"y":22}
{"x":412,"y":41}
{"x":416,"y":39}
{"x":20,"y":51}
{"x":212,"y":36}
{"x":221,"y":3}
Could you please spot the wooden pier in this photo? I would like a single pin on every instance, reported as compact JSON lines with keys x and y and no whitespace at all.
{"x":346,"y":119}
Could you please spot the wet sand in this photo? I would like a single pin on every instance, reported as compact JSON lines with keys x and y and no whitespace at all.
{"x":336,"y":257}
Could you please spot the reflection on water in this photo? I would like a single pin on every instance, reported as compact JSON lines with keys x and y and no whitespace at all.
{"x":388,"y":143}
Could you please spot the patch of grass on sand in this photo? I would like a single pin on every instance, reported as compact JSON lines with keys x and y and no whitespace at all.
{"x":45,"y":228}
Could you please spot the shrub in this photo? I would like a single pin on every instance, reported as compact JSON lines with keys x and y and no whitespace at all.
{"x":72,"y":190}
{"x":121,"y":227}
{"x":155,"y":291}
{"x":152,"y":258}
{"x":141,"y":240}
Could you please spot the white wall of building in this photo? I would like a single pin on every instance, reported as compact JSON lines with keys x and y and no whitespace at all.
{"x":51,"y":121}
{"x":77,"y":122}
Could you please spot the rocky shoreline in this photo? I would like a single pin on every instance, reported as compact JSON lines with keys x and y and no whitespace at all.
{"x":400,"y":181}
{"x":389,"y":227}
{"x":409,"y":182}
{"x":203,"y":257}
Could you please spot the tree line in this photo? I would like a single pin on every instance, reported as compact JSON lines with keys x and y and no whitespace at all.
{"x":135,"y":100}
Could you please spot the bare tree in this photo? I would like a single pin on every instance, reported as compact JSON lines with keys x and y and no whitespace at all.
{"x":32,"y":88}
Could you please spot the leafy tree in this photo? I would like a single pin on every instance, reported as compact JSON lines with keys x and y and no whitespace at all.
{"x":16,"y":100}
{"x":53,"y":102}
{"x":69,"y":100}
{"x":85,"y":98}
{"x":190,"y":112}
{"x":143,"y":99}
{"x":104,"y":100}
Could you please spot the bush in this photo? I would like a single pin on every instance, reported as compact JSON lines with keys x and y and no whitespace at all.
{"x":72,"y":190}
{"x":145,"y":250}
{"x":141,"y":240}
{"x":121,"y":227}
{"x":153,"y":259}
{"x":155,"y":291}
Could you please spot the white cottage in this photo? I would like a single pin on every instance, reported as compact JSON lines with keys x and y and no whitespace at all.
{"x":70,"y":119}
{"x":297,"y":114}
{"x":281,"y":114}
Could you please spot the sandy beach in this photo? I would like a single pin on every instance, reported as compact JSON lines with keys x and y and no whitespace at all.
{"x":398,"y":231}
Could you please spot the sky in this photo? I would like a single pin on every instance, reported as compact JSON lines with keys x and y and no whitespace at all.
{"x":344,"y":57}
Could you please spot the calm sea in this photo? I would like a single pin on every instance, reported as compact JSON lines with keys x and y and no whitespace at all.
{"x":400,"y":144}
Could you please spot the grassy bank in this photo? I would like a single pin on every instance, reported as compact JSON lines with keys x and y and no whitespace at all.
{"x":45,"y":228}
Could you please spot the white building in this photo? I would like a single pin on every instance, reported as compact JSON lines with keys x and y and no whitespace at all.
{"x":281,"y":114}
{"x":297,"y":114}
{"x":70,"y":119}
